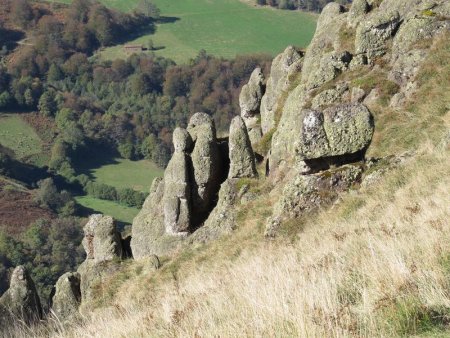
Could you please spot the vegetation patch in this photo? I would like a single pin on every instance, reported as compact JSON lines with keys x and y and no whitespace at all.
{"x":119,"y":212}
{"x":18,"y":136}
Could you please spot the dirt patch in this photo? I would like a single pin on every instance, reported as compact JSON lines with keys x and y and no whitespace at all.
{"x":18,"y":211}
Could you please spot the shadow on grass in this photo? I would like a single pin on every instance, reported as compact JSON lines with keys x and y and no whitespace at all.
{"x":84,"y":211}
{"x":92,"y":157}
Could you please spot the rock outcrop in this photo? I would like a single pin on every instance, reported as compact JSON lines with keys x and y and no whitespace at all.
{"x":250,"y":103}
{"x":103,"y":245}
{"x":372,"y":34}
{"x":21,"y":301}
{"x":282,"y":73}
{"x":67,"y":298}
{"x":206,"y":162}
{"x":180,"y":202}
{"x":102,"y":241}
{"x":337,"y":131}
{"x":242,"y":159}
{"x":177,"y":187}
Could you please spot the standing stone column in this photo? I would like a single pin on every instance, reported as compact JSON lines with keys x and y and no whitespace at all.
{"x":250,"y":102}
{"x":242,"y":158}
{"x":177,"y":187}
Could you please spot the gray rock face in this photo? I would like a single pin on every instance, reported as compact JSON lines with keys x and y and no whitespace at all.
{"x":102,"y":241}
{"x":250,"y":102}
{"x":329,"y":12}
{"x":284,"y":67}
{"x":330,"y":96}
{"x":331,"y":65}
{"x":206,"y":162}
{"x":251,"y":94}
{"x":242,"y":159}
{"x":21,"y":300}
{"x":177,"y":194}
{"x":372,"y":34}
{"x":340,"y":130}
{"x":357,"y":11}
{"x":67,"y":298}
{"x":305,"y":193}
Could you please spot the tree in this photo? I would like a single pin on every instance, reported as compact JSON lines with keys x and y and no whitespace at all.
{"x":21,"y":13}
{"x":47,"y":105}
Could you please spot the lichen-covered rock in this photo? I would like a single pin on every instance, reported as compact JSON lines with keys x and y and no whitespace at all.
{"x":21,"y":301}
{"x":199,"y":123}
{"x":372,"y":34}
{"x":148,"y":232}
{"x":222,"y":219}
{"x":242,"y":158}
{"x":283,"y":69}
{"x":330,"y":66}
{"x":182,"y":141}
{"x":330,"y":96}
{"x":305,"y":193}
{"x":328,"y":13}
{"x":177,"y":194}
{"x":340,"y":130}
{"x":177,"y":186}
{"x":67,"y":297}
{"x":92,"y":274}
{"x":250,"y":102}
{"x":251,"y":94}
{"x":357,"y":11}
{"x":206,"y":162}
{"x":102,"y":241}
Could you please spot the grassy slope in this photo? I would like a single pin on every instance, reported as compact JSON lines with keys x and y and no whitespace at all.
{"x":376,"y":264}
{"x":122,"y":173}
{"x":17,"y":135}
{"x":119,"y":212}
{"x":221,"y":27}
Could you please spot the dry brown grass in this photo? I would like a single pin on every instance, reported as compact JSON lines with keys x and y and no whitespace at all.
{"x":377,"y":268}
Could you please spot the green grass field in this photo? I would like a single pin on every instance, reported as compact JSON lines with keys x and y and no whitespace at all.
{"x":221,"y":27}
{"x":118,"y":212}
{"x":121,"y":173}
{"x":18,"y":136}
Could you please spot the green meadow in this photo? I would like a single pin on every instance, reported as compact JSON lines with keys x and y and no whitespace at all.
{"x":118,"y":212}
{"x":18,"y":136}
{"x":122,"y":173}
{"x":223,"y":28}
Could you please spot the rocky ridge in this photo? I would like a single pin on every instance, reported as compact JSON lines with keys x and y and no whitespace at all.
{"x":318,"y":116}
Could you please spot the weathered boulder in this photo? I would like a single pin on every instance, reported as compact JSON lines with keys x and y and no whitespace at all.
{"x":323,"y":61}
{"x":177,"y":185}
{"x":222,"y":219}
{"x":303,"y":194}
{"x":328,"y":13}
{"x":284,"y":67}
{"x":21,"y":300}
{"x":330,"y":66}
{"x":357,"y":11}
{"x":251,"y":94}
{"x":242,"y":158}
{"x":372,"y":34}
{"x":102,"y":241}
{"x":206,"y":162}
{"x":330,"y":96}
{"x":340,"y":130}
{"x":177,"y":194}
{"x":67,"y":297}
{"x":250,"y":102}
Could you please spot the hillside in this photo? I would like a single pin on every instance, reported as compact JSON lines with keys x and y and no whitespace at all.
{"x":224,"y":28}
{"x":323,"y":212}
